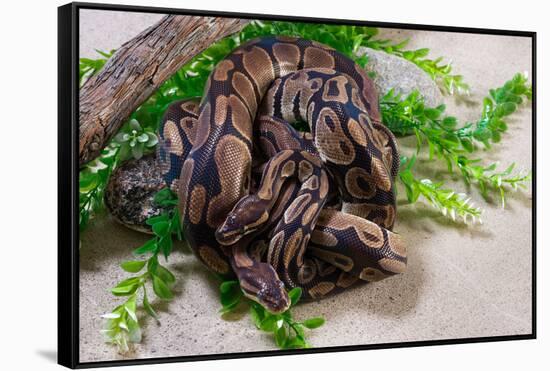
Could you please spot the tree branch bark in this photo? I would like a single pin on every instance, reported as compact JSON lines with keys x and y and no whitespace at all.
{"x":137,"y":69}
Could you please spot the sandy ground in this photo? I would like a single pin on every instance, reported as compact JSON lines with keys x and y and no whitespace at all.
{"x":461,"y":282}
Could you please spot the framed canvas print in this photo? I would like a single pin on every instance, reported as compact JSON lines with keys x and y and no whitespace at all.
{"x":238,"y":185}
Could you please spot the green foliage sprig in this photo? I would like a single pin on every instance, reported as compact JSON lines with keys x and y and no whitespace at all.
{"x":447,"y":201}
{"x":404,"y":114}
{"x":500,"y":102}
{"x":122,"y":326}
{"x":287,"y":333}
{"x":452,"y":144}
{"x":231,"y":296}
{"x":92,"y":182}
{"x":490,"y":180}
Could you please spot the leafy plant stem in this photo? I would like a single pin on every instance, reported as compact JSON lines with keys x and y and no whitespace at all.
{"x":122,"y":327}
{"x":286,"y":332}
{"x":452,"y":144}
{"x":92,"y":182}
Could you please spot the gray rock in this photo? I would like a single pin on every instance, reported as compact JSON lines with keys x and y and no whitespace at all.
{"x":129,"y":195}
{"x":401,"y":75}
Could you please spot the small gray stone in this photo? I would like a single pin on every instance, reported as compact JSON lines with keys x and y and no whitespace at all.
{"x":403,"y":76}
{"x":129,"y":195}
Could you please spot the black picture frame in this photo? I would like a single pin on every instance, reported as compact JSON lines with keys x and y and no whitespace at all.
{"x":68,"y":169}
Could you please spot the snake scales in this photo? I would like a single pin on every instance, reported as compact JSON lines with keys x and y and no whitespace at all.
{"x":287,"y":228}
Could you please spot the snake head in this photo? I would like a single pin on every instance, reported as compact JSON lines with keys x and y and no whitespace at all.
{"x":261,"y":284}
{"x":247,"y":216}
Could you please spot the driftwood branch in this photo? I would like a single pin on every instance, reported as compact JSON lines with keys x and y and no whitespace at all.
{"x":137,"y":69}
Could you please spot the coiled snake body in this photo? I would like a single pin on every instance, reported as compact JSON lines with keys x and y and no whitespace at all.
{"x":281,"y":232}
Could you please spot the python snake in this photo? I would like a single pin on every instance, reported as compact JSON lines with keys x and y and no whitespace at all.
{"x":279,"y":230}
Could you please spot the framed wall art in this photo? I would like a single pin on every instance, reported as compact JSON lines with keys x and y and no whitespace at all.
{"x":240,"y":185}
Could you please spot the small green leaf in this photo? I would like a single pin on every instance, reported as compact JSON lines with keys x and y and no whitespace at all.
{"x":504,"y":109}
{"x":231,"y":298}
{"x":295,"y":295}
{"x":105,"y":54}
{"x":256,"y":316}
{"x":134,"y":125}
{"x":408,"y":55}
{"x":149,"y":246}
{"x":228,"y":286}
{"x":124,"y":151}
{"x":137,"y":151}
{"x":129,"y":281}
{"x":257,"y":312}
{"x":299,"y":329}
{"x":420,"y":53}
{"x":281,"y":336}
{"x":509,"y":169}
{"x":123,"y":325}
{"x":152,"y":264}
{"x":508,"y":108}
{"x":133,"y":266}
{"x":312,"y":323}
{"x":143,"y":138}
{"x":165,"y":197}
{"x":432,"y":113}
{"x":295,"y":343}
{"x":270,"y":323}
{"x":130,"y":307}
{"x":161,"y":289}
{"x":152,"y":140}
{"x":467,"y":144}
{"x":161,"y":228}
{"x":165,"y":244}
{"x":125,"y":290}
{"x":134,"y":331}
{"x":121,"y":137}
{"x":87,"y":182}
{"x":165,"y":275}
{"x":449,"y":122}
{"x":156,"y":219}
